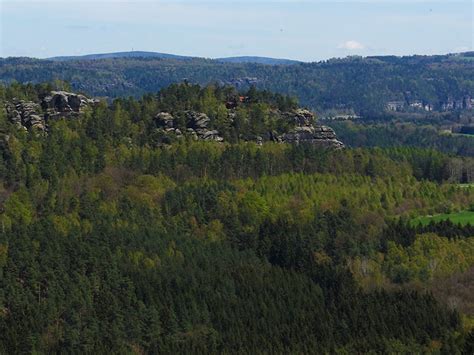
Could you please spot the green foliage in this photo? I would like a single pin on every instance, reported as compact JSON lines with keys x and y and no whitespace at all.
{"x":429,"y":257}
{"x":414,"y":133}
{"x":361,"y":84}
{"x":463,"y":217}
{"x":110,"y":242}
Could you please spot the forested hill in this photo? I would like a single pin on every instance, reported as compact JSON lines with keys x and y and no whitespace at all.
{"x":142,"y":54}
{"x":113,"y":242}
{"x":132,"y":54}
{"x":354,"y":84}
{"x":183,"y":111}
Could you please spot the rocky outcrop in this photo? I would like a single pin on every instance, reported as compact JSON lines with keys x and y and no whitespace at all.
{"x":306,"y":132}
{"x":199,"y":122}
{"x":30,"y":115}
{"x":164,"y":120}
{"x":197,"y":125}
{"x":212,"y":135}
{"x":322,"y":136}
{"x":25,"y":115}
{"x":65,"y":104}
{"x":165,"y":123}
{"x":301,"y":117}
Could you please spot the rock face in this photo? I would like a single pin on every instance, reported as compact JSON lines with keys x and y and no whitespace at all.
{"x":30,"y":115}
{"x":306,"y":132}
{"x":63,"y":103}
{"x":212,"y":135}
{"x":164,"y":120}
{"x":197,"y":125}
{"x":199,"y":122}
{"x":25,"y":115}
{"x":322,"y":136}
{"x":301,"y":117}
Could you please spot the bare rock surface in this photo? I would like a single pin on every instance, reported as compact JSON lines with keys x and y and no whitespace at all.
{"x":306,"y":131}
{"x":65,"y":104}
{"x":31,"y":115}
{"x":25,"y":114}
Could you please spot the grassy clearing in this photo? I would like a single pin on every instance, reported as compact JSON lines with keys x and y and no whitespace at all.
{"x":463,"y":217}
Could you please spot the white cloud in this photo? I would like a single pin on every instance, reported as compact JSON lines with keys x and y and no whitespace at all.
{"x":351,"y":45}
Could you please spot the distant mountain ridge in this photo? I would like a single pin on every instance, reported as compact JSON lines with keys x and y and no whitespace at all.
{"x":258,"y":60}
{"x":131,"y":54}
{"x":366,"y":86}
{"x":145,"y":54}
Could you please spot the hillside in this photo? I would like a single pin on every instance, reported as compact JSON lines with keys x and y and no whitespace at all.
{"x":120,"y":235}
{"x":143,"y":54}
{"x":257,"y":60}
{"x":367,"y":86}
{"x":133,"y":54}
{"x":219,"y":114}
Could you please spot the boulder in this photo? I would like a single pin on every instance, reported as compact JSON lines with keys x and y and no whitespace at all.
{"x":273,"y":137}
{"x":25,"y":114}
{"x":65,"y":102}
{"x":164,"y":120}
{"x":198,"y":126}
{"x":197,"y":120}
{"x":211,"y":136}
{"x":301,"y":117}
{"x":31,"y":115}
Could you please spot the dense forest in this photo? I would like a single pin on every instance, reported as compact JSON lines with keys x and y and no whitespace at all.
{"x":397,"y":134}
{"x":115,"y":239}
{"x":363,"y":85}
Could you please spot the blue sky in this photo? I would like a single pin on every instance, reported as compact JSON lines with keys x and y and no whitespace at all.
{"x":303,"y":30}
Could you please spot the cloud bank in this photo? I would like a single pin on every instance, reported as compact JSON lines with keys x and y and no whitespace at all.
{"x":351,"y":45}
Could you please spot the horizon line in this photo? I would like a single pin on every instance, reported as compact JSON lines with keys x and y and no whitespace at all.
{"x":78,"y":56}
